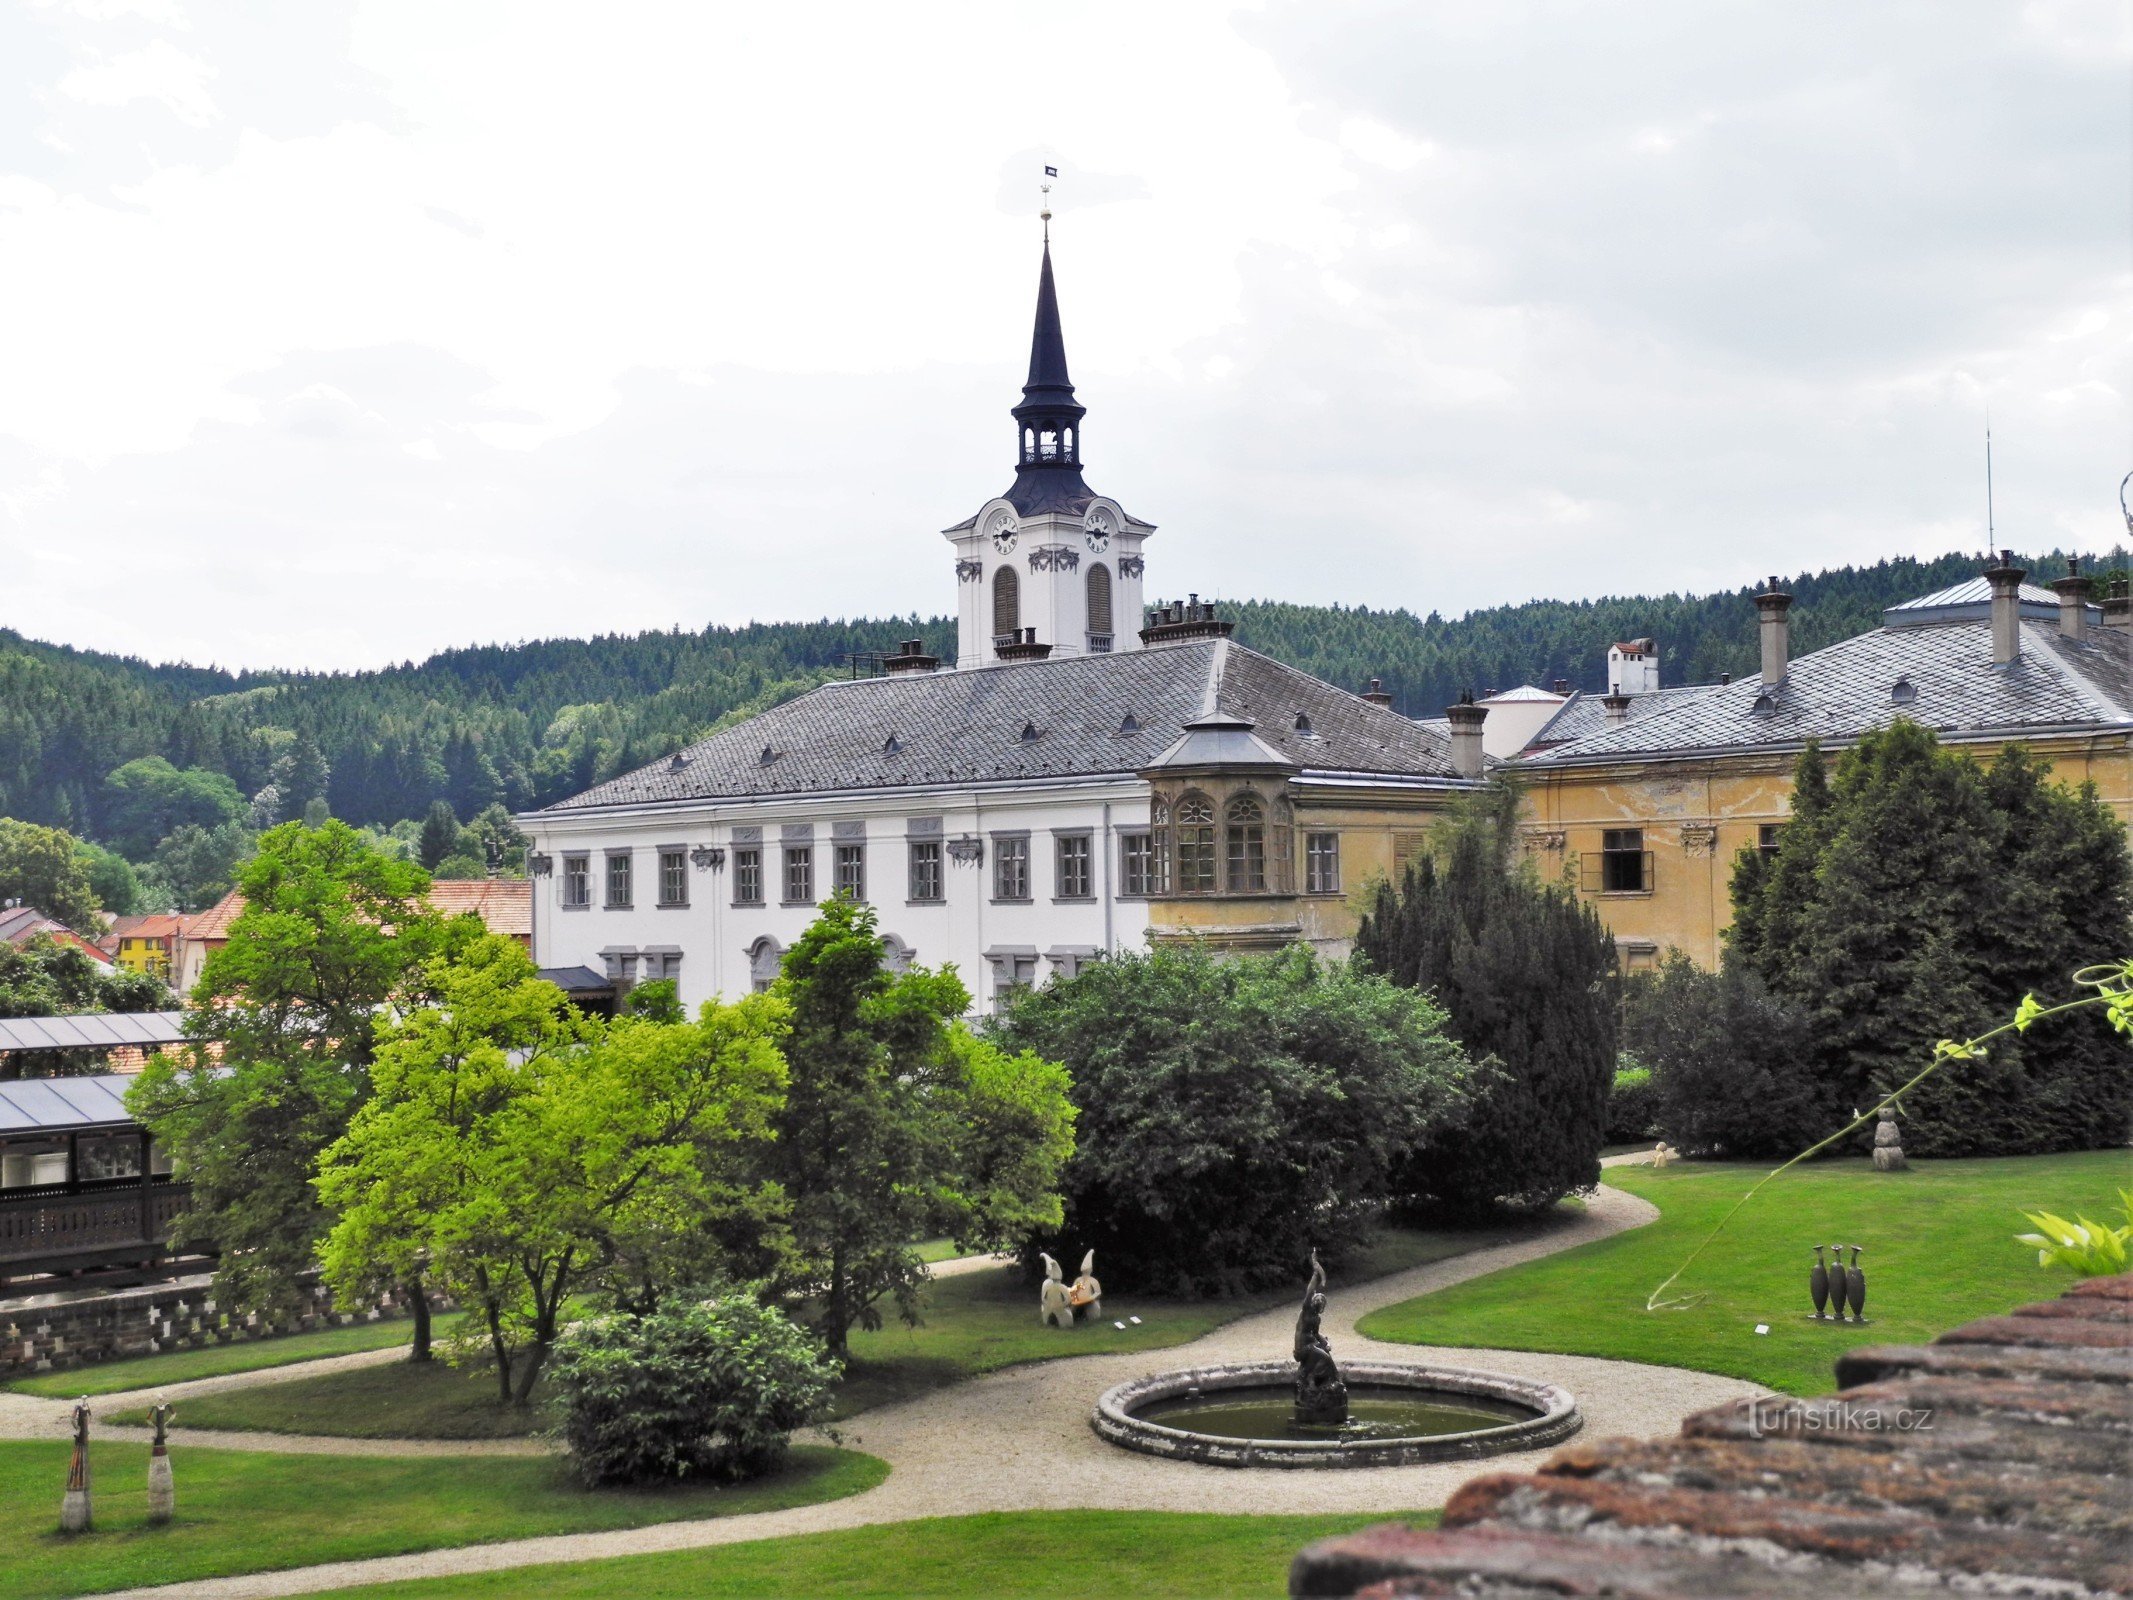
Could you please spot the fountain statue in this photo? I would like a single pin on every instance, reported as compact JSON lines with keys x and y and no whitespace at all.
{"x":1321,"y":1396}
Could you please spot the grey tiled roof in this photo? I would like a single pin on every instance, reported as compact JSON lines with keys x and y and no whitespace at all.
{"x":1846,"y":690}
{"x":1966,"y":601}
{"x":968,"y":727}
{"x":1583,"y":715}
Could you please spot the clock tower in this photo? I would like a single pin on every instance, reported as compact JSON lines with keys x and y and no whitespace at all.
{"x":1050,"y":568}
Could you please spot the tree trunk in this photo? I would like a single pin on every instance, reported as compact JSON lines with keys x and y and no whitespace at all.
{"x":838,"y":1321}
{"x":502,"y":1350}
{"x":418,"y":1301}
{"x":547,"y":1309}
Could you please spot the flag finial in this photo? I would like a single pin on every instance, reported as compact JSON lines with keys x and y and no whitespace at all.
{"x":1045,"y":206}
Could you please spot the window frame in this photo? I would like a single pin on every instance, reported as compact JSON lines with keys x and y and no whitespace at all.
{"x":931,"y":853}
{"x":626,"y":859}
{"x":1315,"y":880}
{"x":1195,"y":860}
{"x":1244,"y":831}
{"x":1142,"y":879}
{"x":674,"y":872}
{"x":1079,"y":842}
{"x":800,"y":856}
{"x":747,"y":863}
{"x":577,"y":870}
{"x":1622,"y":850}
{"x":849,"y":853}
{"x":1011,"y":848}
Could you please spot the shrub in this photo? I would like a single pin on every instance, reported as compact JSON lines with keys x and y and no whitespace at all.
{"x":1731,"y":1075}
{"x":2088,"y":1249}
{"x":1632,"y":1103}
{"x":693,"y":1389}
{"x":1233,"y":1113}
{"x":1526,"y":976}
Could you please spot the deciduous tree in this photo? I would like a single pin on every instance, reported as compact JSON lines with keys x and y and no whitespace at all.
{"x":42,"y":867}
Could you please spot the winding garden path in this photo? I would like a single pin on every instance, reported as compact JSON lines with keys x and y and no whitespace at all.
{"x":1019,"y":1439}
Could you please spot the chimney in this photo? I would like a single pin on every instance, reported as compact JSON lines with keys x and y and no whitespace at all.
{"x":1022,"y":645}
{"x":1616,"y":704}
{"x":1377,"y":695}
{"x":2006,"y":580}
{"x":2073,"y":592}
{"x":1466,"y":719}
{"x":1559,"y":686}
{"x":1184,"y":619}
{"x":911,"y":657}
{"x":1770,"y":607}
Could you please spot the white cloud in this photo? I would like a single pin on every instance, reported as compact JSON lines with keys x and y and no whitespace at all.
{"x":355,"y":330}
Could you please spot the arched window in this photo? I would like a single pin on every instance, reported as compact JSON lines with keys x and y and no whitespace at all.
{"x":1100,"y":599}
{"x":1196,"y":844}
{"x":1247,"y":845}
{"x":896,"y":956}
{"x":1006,"y":602}
{"x":765,"y":956}
{"x":1066,"y":443}
{"x":1029,"y":444}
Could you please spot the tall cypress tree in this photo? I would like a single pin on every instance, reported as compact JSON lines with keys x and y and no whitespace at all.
{"x":1528,"y":976}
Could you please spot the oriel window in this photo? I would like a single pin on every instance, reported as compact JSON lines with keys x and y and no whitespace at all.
{"x":1195,"y":830}
{"x":1246,"y":843}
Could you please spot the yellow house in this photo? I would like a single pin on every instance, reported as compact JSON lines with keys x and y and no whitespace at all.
{"x":1646,"y":814}
{"x":142,"y":943}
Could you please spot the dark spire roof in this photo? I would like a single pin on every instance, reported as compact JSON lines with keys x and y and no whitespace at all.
{"x":1048,"y":421}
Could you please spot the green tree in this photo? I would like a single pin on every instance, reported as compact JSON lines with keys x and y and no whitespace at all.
{"x":440,"y":836}
{"x":42,"y":867}
{"x":1732,"y":1071}
{"x":112,"y":879}
{"x":331,"y":933}
{"x":148,"y":798}
{"x":493,"y":837}
{"x":301,"y":776}
{"x":1527,"y":976}
{"x":1234,"y":1115}
{"x":1918,"y":898}
{"x":195,"y":866}
{"x":898,"y":1123}
{"x":513,"y":1155}
{"x":42,"y":977}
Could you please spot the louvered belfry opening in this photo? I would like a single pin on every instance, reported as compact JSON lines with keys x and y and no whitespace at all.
{"x":1099,"y":598}
{"x":1006,"y":603}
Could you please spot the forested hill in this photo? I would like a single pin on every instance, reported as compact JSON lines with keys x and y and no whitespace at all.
{"x":528,"y":723}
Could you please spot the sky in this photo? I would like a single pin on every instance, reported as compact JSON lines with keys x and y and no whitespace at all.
{"x":336,"y":333}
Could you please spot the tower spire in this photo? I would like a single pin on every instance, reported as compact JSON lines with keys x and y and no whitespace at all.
{"x":1048,"y":421}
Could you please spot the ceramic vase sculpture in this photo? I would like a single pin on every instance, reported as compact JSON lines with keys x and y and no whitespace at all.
{"x":1839,"y":1282}
{"x":1855,"y":1287}
{"x":162,"y":1492}
{"x":1818,"y":1285}
{"x":74,"y":1507}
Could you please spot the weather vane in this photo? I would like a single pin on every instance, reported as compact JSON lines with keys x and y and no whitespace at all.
{"x":1045,"y":188}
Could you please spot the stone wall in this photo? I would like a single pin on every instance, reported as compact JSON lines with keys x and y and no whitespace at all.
{"x":1992,"y":1461}
{"x":56,"y":1334}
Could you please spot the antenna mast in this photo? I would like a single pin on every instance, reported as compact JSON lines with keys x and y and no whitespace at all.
{"x":1990,"y":536}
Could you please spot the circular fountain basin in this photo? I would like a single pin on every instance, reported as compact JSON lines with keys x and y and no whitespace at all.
{"x":1398,"y":1416}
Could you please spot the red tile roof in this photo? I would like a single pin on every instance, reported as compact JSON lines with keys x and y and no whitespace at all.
{"x":505,"y":905}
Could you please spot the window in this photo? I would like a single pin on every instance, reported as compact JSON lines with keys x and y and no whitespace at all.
{"x":577,"y":881}
{"x":1246,"y":843}
{"x":1010,"y":867}
{"x":1322,"y":863}
{"x":1623,"y":862}
{"x":925,"y":869}
{"x":618,"y":880}
{"x":1006,"y":603}
{"x":852,"y":870}
{"x":673,"y":877}
{"x":1073,"y":880}
{"x":1196,"y":845}
{"x":799,"y":875}
{"x":1099,"y":584}
{"x":765,"y":957}
{"x":748,"y":876}
{"x":1766,"y":837}
{"x":1136,"y":864}
{"x":1013,"y":970}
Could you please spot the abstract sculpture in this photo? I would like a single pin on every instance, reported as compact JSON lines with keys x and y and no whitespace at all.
{"x":1087,"y":1296}
{"x":1321,"y":1395}
{"x":74,"y":1507}
{"x":1054,"y":1306}
{"x":1839,"y":1281}
{"x":1855,"y":1287}
{"x":162,"y":1493}
{"x":1888,"y":1143}
{"x":1818,"y":1285}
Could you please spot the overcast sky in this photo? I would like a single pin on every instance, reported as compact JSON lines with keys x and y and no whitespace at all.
{"x":336,"y":333}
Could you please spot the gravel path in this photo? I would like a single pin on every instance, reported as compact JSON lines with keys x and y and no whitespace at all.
{"x":1020,"y":1440}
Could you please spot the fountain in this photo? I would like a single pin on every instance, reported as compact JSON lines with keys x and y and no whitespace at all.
{"x":1312,"y":1412}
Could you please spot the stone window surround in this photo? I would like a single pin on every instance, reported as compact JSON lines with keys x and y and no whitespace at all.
{"x":1137,"y":831}
{"x":786,"y":850}
{"x":1028,"y":896}
{"x":1068,"y":959}
{"x":914,"y":839}
{"x":627,"y":855}
{"x":660,"y":854}
{"x":1323,"y":833}
{"x":563,"y":900}
{"x":1090,"y":864}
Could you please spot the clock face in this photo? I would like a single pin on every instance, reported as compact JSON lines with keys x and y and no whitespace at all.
{"x":1097,"y":530}
{"x":1003,"y":533}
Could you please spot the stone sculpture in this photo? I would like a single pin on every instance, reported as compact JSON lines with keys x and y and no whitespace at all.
{"x":1839,"y":1281}
{"x":1055,"y":1307}
{"x":1888,"y":1143}
{"x":162,"y":1493}
{"x":74,"y":1507}
{"x":1321,"y":1395}
{"x":1087,"y":1295}
{"x":1855,"y":1287}
{"x":1818,"y":1286}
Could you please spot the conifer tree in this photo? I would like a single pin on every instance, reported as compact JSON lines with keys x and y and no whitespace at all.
{"x":440,"y":835}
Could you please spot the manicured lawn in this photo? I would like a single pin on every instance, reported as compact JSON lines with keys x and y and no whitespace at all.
{"x":244,"y":1512}
{"x":1938,"y":1250}
{"x":975,"y":1322}
{"x":212,"y":1361}
{"x":1044,"y":1555}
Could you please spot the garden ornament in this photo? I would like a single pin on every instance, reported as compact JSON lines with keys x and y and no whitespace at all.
{"x":1839,"y":1281}
{"x":1087,"y":1297}
{"x":1888,"y":1143}
{"x":74,"y":1507}
{"x":162,"y":1493}
{"x":1321,"y":1395}
{"x":1818,"y":1285}
{"x":1054,"y":1308}
{"x":1855,"y":1287}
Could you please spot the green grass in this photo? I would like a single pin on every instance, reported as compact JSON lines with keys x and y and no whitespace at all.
{"x":1041,"y":1555}
{"x":975,"y":1322}
{"x":213,"y":1361}
{"x":246,"y":1512}
{"x":1938,"y":1250}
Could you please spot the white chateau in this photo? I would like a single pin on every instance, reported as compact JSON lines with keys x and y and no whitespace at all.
{"x":1083,"y":779}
